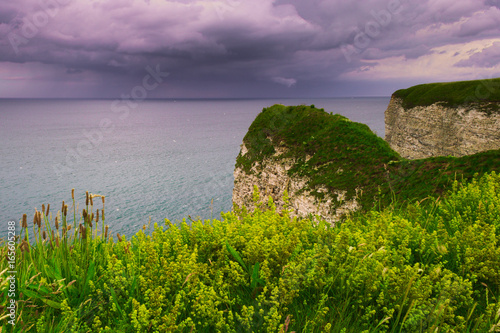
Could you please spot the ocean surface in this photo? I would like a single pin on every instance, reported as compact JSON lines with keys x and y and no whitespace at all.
{"x":157,"y":158}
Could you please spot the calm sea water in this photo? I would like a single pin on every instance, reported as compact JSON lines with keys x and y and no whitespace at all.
{"x":161,"y":159}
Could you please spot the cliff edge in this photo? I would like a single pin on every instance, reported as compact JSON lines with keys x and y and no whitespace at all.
{"x":327,"y":164}
{"x":330,"y":166}
{"x":442,"y":119}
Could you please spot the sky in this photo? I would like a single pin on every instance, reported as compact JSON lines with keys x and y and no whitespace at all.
{"x":242,"y":48}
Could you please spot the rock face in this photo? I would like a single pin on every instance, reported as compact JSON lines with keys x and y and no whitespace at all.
{"x":326,"y":164}
{"x":439,"y":130}
{"x":272,"y":180}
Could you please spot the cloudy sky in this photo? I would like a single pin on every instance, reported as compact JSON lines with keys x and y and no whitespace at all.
{"x":242,"y":48}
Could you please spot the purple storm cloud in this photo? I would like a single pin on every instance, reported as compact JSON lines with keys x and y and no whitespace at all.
{"x":242,"y":48}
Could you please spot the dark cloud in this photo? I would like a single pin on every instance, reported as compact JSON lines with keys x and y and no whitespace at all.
{"x":223,"y":47}
{"x":483,"y":22}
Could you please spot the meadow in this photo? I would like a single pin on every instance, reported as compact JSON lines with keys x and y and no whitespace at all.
{"x":430,"y":265}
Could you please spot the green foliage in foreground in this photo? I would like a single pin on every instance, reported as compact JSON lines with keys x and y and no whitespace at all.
{"x":453,"y":94}
{"x":431,"y":267}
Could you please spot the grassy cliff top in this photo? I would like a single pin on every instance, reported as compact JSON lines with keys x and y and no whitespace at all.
{"x":308,"y":131}
{"x":334,"y":152}
{"x":330,"y":150}
{"x":452,"y":93}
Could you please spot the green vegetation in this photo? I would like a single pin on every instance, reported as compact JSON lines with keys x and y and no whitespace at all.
{"x":453,"y":94}
{"x":423,"y":256}
{"x":333,"y":152}
{"x":431,"y":267}
{"x":412,"y":180}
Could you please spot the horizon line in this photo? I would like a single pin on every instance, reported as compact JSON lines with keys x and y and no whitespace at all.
{"x":185,"y":98}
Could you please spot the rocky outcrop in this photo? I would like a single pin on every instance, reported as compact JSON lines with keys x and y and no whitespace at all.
{"x":327,"y":164}
{"x":272,"y":180}
{"x":440,"y":130}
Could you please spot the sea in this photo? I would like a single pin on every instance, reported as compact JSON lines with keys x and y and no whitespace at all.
{"x":152,"y":160}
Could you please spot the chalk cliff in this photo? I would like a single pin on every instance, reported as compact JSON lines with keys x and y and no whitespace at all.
{"x":271,"y":175}
{"x":327,"y":164}
{"x":443,"y":119}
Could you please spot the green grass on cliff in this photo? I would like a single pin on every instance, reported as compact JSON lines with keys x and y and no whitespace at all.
{"x":453,"y":94}
{"x":417,"y":179}
{"x":336,"y":153}
{"x":328,"y":149}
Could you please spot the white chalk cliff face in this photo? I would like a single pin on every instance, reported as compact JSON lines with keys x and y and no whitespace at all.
{"x":272,"y":179}
{"x":438,"y":130}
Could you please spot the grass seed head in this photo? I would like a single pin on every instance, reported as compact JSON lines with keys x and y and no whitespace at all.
{"x":48,"y":209}
{"x":39,"y":219}
{"x":97,"y":216}
{"x":91,"y":201}
{"x":25,"y":222}
{"x":106,"y":232}
{"x":87,"y":199}
{"x":73,"y":193}
{"x":43,"y":208}
{"x":25,"y":246}
{"x":57,"y":223}
{"x":44,"y":235}
{"x":119,"y":237}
